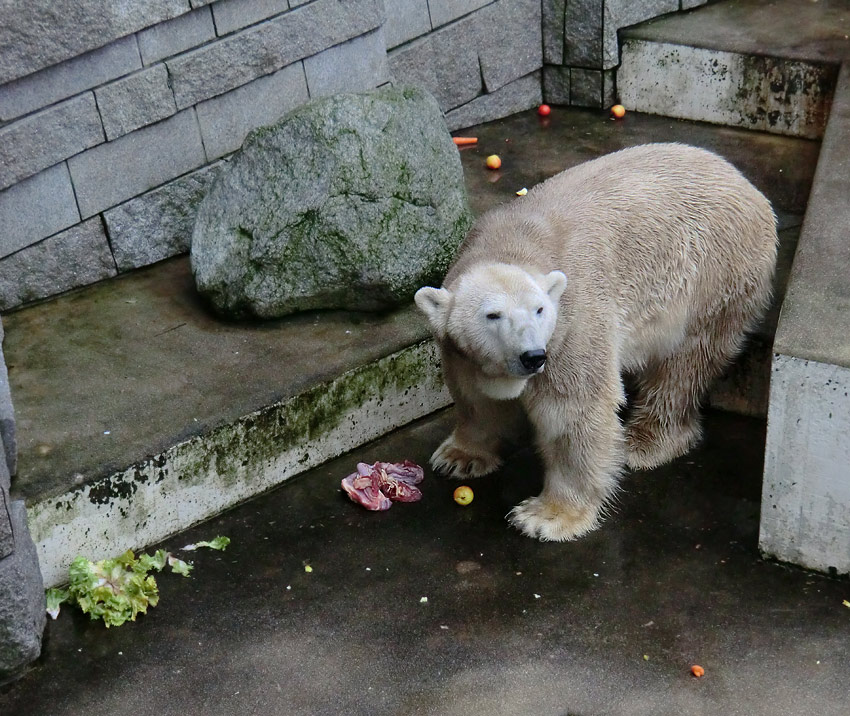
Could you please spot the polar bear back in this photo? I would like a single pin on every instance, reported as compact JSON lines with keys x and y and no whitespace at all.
{"x":654,"y":228}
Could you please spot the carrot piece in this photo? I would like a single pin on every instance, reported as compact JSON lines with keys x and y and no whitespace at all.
{"x":697,"y":670}
{"x":465,"y":141}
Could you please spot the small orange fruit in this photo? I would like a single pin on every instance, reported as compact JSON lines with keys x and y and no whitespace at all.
{"x":697,"y":670}
{"x":618,"y":111}
{"x":493,"y":161}
{"x":463,"y":495}
{"x":544,"y":110}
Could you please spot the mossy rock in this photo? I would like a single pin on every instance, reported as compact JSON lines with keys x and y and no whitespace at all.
{"x":349,"y":202}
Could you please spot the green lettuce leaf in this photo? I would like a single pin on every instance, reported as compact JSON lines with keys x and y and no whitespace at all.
{"x":219,"y":543}
{"x":55,"y":597}
{"x":179,"y":566}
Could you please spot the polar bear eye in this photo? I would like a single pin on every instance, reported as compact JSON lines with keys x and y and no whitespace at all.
{"x":494,"y":316}
{"x":540,"y":310}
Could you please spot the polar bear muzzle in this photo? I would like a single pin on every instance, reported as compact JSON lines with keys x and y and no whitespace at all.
{"x":533,"y":360}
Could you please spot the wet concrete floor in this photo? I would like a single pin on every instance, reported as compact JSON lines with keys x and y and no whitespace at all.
{"x":610,"y":624}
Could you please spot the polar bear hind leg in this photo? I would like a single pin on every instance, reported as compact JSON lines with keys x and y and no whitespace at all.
{"x":665,"y":422}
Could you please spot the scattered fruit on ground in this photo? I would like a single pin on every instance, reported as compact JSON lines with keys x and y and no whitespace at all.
{"x":463,"y":495}
{"x":493,"y":161}
{"x":544,"y":110}
{"x":618,"y":111}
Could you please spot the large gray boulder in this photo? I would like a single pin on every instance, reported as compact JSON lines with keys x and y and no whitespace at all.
{"x":352,"y":201}
{"x":22,"y":607}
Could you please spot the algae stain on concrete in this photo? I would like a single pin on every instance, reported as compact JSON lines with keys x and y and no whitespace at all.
{"x":235,"y":451}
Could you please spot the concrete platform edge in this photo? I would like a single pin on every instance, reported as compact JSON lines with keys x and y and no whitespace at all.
{"x":804,"y":516}
{"x":726,"y":88}
{"x":201,"y":477}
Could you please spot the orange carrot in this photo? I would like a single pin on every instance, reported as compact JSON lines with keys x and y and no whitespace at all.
{"x":465,"y":141}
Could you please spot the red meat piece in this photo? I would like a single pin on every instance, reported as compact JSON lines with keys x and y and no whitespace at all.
{"x":377,"y":486}
{"x":364,"y":487}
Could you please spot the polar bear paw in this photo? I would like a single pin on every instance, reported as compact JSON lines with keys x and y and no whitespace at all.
{"x":649,"y":447}
{"x":452,"y":460}
{"x":548,"y":520}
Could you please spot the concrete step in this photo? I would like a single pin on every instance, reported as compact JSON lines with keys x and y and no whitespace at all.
{"x":759,"y":64}
{"x":140,"y":414}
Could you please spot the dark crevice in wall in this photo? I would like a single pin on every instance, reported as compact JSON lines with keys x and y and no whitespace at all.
{"x":108,"y":241}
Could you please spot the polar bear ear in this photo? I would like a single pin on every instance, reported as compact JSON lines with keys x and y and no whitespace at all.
{"x":434,"y":303}
{"x":554,"y":284}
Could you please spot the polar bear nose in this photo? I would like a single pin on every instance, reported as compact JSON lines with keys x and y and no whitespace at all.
{"x":533,"y":360}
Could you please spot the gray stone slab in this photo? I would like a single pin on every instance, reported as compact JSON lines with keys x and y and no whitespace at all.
{"x":201,"y":3}
{"x":136,"y":101}
{"x":76,"y":257}
{"x":444,"y":11}
{"x":805,"y":518}
{"x":41,"y":140}
{"x":157,"y":224}
{"x":266,"y":48}
{"x":22,"y":605}
{"x":36,"y":208}
{"x":232,"y":15}
{"x":8,"y":434}
{"x":622,"y":13}
{"x":406,"y":20}
{"x":583,"y":33}
{"x":114,"y":172}
{"x":359,"y":64}
{"x":816,"y":31}
{"x":40,"y":33}
{"x":556,"y":84}
{"x":68,"y":78}
{"x":414,"y":64}
{"x":690,"y":4}
{"x":815,"y":320}
{"x":519,"y":95}
{"x":585,"y":87}
{"x":456,"y":65}
{"x":519,"y":51}
{"x":176,"y":36}
{"x":553,"y":31}
{"x":226,"y":120}
{"x":772,"y":94}
{"x":7,"y":538}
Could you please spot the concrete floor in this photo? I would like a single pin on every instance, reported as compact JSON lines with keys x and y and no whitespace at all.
{"x":607,"y":625}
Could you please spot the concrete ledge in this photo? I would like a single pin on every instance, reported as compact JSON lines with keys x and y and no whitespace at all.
{"x":805,"y":517}
{"x":202,"y":476}
{"x":815,"y":321}
{"x":770,"y":94}
{"x":806,"y":502}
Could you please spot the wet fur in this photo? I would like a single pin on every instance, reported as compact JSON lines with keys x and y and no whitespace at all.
{"x":669,"y":254}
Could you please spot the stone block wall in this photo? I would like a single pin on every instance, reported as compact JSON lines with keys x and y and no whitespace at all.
{"x":580,"y":47}
{"x":115,"y":117}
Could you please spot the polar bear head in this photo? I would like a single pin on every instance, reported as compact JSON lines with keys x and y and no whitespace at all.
{"x":499,"y":316}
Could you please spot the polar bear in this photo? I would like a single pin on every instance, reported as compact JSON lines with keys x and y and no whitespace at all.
{"x":653,"y":261}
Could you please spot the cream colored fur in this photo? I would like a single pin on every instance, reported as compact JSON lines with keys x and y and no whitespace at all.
{"x":668,"y":253}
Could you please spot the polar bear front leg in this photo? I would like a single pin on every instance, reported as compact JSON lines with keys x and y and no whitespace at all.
{"x":582,"y":451}
{"x":472,"y":448}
